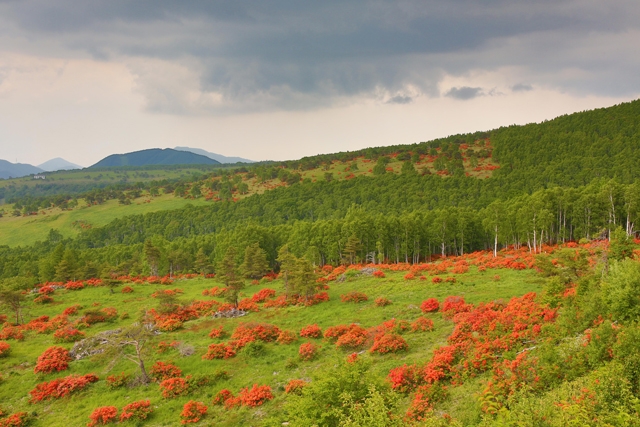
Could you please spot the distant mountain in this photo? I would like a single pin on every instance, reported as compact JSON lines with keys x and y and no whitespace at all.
{"x":155,"y":156}
{"x":219,"y":157}
{"x":16,"y":170}
{"x":58,"y":164}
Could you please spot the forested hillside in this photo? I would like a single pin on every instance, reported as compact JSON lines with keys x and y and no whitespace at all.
{"x":480,"y":279}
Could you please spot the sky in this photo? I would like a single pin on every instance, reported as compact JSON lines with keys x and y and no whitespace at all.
{"x":282,"y":79}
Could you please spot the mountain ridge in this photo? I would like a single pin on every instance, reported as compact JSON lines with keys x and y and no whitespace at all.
{"x":154,"y":156}
{"x":218,"y":157}
{"x":16,"y":170}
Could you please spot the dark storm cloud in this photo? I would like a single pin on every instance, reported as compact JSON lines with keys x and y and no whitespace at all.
{"x":464,"y":93}
{"x":291,"y":54}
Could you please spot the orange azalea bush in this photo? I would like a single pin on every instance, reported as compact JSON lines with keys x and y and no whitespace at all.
{"x":174,"y":387}
{"x":256,"y":395}
{"x":381,"y":302}
{"x":139,"y":410}
{"x":429,"y":306}
{"x":308,"y":351}
{"x":103,"y":415}
{"x":286,"y":337}
{"x":388,"y":343}
{"x":311,"y":331}
{"x":219,"y":351}
{"x":61,"y":387}
{"x":192,"y":412}
{"x":5,"y":349}
{"x":354,"y":297}
{"x":161,"y":371}
{"x":422,"y":324}
{"x":68,"y":334}
{"x":53,"y":359}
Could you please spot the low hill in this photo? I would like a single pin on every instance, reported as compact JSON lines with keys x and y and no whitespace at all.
{"x":16,"y":170}
{"x":218,"y":157}
{"x":58,"y":164}
{"x":155,"y":156}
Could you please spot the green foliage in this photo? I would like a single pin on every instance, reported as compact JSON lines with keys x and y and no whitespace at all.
{"x":622,"y":290}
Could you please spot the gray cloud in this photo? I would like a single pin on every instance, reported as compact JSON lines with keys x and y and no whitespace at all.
{"x":521,"y":87}
{"x":400,"y":99}
{"x":283,"y":54}
{"x":464,"y":93}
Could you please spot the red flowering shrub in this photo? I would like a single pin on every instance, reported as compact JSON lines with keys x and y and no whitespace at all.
{"x":263,"y":294}
{"x":409,"y":276}
{"x":279,"y":302}
{"x":248,"y":305}
{"x":295,"y":386}
{"x":46,"y":290}
{"x":355,"y":337}
{"x":174,"y":387}
{"x":388,"y":343}
{"x":61,"y":387}
{"x":352,"y":336}
{"x":436,"y":280}
{"x":139,"y":410}
{"x":429,"y":306}
{"x":70,"y":311}
{"x":420,"y":408}
{"x":219,"y":351}
{"x":192,"y":412}
{"x":222,"y":396}
{"x":217,"y":332}
{"x":53,"y":359}
{"x":352,"y":358}
{"x":311,"y":331}
{"x":11,"y":332}
{"x":116,"y":381}
{"x":103,"y":415}
{"x":248,"y":332}
{"x":286,"y":337}
{"x":68,"y":334}
{"x":308,"y":351}
{"x":18,"y":419}
{"x":161,"y":371}
{"x":74,"y":286}
{"x":405,"y":378}
{"x":422,"y":324}
{"x":450,"y":280}
{"x":381,"y":302}
{"x":454,"y":305}
{"x":127,"y":290}
{"x":379,"y":274}
{"x":255,"y":396}
{"x":5,"y":349}
{"x":43,"y":299}
{"x":355,"y":297}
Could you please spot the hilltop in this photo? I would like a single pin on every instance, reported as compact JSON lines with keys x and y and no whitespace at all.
{"x":154,"y":156}
{"x":14,"y":170}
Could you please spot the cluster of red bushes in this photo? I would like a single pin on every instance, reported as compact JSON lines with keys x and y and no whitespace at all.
{"x":251,"y":397}
{"x":61,"y":387}
{"x":480,"y":336}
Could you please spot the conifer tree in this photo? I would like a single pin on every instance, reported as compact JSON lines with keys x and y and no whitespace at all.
{"x":255,"y":262}
{"x":228,"y":274}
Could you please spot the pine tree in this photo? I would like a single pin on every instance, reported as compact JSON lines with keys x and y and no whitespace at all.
{"x":287,"y":268}
{"x":228,"y":274}
{"x":255,"y":262}
{"x":202,"y":262}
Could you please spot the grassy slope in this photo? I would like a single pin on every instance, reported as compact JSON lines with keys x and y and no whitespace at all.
{"x":26,"y":230}
{"x":17,"y":369}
